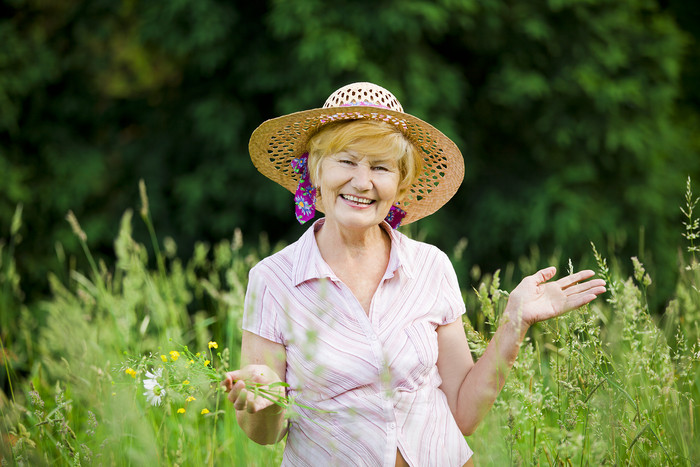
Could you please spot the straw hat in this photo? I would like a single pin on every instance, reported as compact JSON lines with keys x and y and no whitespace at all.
{"x":276,"y":142}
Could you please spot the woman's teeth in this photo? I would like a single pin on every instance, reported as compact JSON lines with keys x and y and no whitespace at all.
{"x":355,"y":199}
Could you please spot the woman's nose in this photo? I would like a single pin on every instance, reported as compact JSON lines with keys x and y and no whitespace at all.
{"x":361,"y":179}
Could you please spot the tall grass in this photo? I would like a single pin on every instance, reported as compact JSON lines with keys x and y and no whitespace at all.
{"x":609,"y":384}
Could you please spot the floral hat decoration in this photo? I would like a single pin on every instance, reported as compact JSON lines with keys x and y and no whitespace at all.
{"x":278,"y":149}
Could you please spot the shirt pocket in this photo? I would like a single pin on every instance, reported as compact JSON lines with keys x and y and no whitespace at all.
{"x":423,"y":339}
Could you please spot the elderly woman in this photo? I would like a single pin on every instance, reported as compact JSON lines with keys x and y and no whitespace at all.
{"x":363,"y":323}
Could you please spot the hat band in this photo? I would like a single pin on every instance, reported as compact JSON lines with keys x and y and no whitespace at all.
{"x":364,"y":104}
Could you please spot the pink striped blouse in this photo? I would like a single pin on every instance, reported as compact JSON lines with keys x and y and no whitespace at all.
{"x":374,"y":377}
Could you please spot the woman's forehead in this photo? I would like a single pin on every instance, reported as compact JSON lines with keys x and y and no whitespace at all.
{"x":369,"y":156}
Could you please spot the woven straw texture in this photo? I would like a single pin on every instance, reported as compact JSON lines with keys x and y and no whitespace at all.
{"x":276,"y":142}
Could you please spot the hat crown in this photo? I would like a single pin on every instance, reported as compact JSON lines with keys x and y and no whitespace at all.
{"x":363,"y":94}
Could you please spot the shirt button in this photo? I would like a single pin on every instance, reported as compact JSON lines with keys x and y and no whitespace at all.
{"x":373,"y":337}
{"x":392,"y":426}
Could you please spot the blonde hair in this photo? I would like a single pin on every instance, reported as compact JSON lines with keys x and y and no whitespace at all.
{"x":369,"y":138}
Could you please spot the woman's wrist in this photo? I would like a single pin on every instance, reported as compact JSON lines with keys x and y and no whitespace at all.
{"x":513,"y":320}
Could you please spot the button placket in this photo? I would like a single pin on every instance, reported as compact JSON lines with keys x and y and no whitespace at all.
{"x":366,"y":324}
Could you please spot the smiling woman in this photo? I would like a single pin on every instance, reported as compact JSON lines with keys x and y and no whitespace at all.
{"x":363,"y":323}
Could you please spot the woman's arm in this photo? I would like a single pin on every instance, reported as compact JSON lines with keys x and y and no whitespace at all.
{"x":471,"y":388}
{"x":262,"y":361}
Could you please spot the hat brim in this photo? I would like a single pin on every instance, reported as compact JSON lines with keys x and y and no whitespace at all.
{"x":277,"y":141}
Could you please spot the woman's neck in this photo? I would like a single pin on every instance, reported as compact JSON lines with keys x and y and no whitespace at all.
{"x":359,"y":259}
{"x":337,"y":244}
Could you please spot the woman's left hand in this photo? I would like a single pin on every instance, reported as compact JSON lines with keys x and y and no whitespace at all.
{"x":535,"y":299}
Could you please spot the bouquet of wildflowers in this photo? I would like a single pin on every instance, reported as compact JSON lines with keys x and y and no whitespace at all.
{"x":181,"y":378}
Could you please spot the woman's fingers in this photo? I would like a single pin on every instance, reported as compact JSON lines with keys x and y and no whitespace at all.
{"x":236,"y":389}
{"x":226,"y":383}
{"x":245,"y":399}
{"x":546,"y":274}
{"x":230,"y":379}
{"x":240,"y":402}
{"x":255,"y":404}
{"x":543,"y":275}
{"x":579,"y":300}
{"x":580,"y":294}
{"x":595,"y":286}
{"x":575,"y":278}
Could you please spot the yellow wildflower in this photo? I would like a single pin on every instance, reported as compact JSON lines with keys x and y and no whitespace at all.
{"x":181,"y":410}
{"x":190,"y":399}
{"x":207,"y":362}
{"x":186,"y":382}
{"x":190,"y":362}
{"x":197,"y":354}
{"x":131,"y":372}
{"x":205,"y":411}
{"x":174,"y":355}
{"x":213,"y":345}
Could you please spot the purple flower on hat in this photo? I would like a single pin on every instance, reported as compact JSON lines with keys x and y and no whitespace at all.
{"x":305,"y":196}
{"x":395,"y":216}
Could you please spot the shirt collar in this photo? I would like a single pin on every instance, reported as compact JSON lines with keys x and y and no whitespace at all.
{"x":309,"y":263}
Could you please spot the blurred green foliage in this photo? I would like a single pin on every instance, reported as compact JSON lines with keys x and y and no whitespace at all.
{"x":577,"y":118}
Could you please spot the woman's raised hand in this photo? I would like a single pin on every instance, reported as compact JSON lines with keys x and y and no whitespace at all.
{"x":243,"y":399}
{"x":535,"y":299}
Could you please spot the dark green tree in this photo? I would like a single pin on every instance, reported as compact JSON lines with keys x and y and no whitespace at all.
{"x":566,"y":111}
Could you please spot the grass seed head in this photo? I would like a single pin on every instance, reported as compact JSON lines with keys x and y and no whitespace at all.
{"x":73,"y":221}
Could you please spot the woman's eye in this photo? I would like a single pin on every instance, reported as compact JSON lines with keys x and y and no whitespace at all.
{"x":380,"y":168}
{"x":345,"y":161}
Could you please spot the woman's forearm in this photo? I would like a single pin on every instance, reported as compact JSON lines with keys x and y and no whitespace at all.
{"x":535,"y":299}
{"x":486,"y":378}
{"x":267,"y":426}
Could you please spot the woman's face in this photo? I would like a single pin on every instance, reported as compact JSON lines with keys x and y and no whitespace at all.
{"x":357,"y":191}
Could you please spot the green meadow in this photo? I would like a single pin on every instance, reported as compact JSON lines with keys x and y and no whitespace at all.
{"x":608,"y":384}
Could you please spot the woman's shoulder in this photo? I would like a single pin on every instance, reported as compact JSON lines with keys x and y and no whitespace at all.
{"x":417,"y":247}
{"x":282,"y":263}
{"x":278,"y":261}
{"x":422,"y":258}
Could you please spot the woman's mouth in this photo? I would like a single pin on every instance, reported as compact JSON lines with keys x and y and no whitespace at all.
{"x":357,"y":200}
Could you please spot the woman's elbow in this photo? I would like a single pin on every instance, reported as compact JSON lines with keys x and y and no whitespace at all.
{"x":467,"y":428}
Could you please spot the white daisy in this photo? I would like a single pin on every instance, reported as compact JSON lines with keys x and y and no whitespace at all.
{"x":154,"y":391}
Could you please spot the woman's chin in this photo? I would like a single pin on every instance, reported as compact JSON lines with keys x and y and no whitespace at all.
{"x":357,"y":220}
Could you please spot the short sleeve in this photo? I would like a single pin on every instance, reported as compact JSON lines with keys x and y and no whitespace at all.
{"x":261,"y":311}
{"x":450,"y":291}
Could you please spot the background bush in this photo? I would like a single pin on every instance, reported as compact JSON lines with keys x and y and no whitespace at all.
{"x":577,"y":118}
